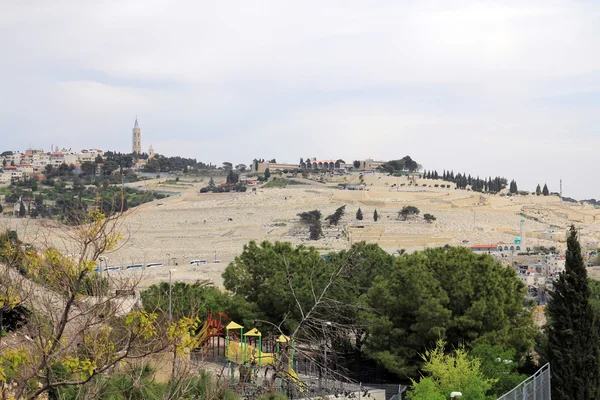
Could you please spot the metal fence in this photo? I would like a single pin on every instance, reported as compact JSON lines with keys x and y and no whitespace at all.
{"x":536,"y":387}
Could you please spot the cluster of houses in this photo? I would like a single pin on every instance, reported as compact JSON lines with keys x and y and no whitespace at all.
{"x":18,"y":166}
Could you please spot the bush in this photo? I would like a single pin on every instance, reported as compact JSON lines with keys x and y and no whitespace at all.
{"x":429,"y":218}
{"x":408,"y":211}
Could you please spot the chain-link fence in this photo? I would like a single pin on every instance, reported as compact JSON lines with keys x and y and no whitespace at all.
{"x":536,"y":387}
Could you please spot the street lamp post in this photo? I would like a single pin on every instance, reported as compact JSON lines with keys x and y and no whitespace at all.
{"x":171,"y":294}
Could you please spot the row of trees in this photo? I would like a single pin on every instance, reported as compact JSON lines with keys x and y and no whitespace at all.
{"x":539,"y":191}
{"x":492,"y":185}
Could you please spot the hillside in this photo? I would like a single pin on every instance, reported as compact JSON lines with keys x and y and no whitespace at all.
{"x":208,"y":226}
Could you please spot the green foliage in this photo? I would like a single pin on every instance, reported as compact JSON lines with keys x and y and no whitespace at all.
{"x":375,"y":216}
{"x":463,"y":298}
{"x":267,"y":174}
{"x":313,"y":220}
{"x":538,"y":190}
{"x":429,"y":218}
{"x":404,"y":164}
{"x":189,"y":300}
{"x":454,"y":372}
{"x":500,"y":364}
{"x":573,"y":341}
{"x":336,"y":216}
{"x":408,"y":211}
{"x":545,"y":190}
{"x":359,"y":214}
{"x":263,"y":275}
{"x":513,"y":187}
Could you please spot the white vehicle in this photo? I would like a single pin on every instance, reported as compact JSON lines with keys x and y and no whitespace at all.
{"x":154,"y":265}
{"x":198,"y":262}
{"x":134,"y":266}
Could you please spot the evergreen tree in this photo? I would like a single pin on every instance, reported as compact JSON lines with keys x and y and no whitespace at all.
{"x":1,"y":209}
{"x":513,"y":187}
{"x":359,"y":214}
{"x":545,"y":190}
{"x":336,"y":216}
{"x":267,"y":174}
{"x":538,"y":190}
{"x":22,"y":210}
{"x":573,"y":341}
{"x":375,"y":216}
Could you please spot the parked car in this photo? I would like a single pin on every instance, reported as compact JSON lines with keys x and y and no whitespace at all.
{"x":154,"y":265}
{"x":134,"y":266}
{"x":198,"y":262}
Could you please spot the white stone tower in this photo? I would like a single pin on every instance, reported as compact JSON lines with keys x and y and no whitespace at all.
{"x":136,"y":141}
{"x":151,"y":152}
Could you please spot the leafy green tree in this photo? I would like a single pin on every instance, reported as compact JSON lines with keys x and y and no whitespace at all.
{"x":545,"y":190}
{"x":429,"y":218}
{"x":538,"y":190}
{"x":573,"y":341}
{"x":408,"y":211}
{"x":500,"y":364}
{"x":265,"y":275}
{"x":356,"y":164}
{"x":336,"y":216}
{"x":313,"y":220}
{"x":360,"y":266}
{"x":188,"y":300}
{"x":375,"y":216}
{"x":359,"y":214}
{"x":454,"y":372}
{"x":267,"y":174}
{"x":463,"y":298}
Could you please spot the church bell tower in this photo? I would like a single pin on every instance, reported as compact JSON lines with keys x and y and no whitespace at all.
{"x":136,"y":142}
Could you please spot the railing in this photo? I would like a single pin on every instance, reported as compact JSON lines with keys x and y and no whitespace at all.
{"x":536,"y":387}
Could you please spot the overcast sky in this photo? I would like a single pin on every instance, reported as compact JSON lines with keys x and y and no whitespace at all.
{"x":489,"y":88}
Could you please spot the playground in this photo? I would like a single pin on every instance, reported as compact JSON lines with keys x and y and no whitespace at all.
{"x":247,"y":361}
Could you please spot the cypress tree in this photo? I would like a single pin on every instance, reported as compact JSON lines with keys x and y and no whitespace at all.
{"x":359,"y":214}
{"x":22,"y":210}
{"x":545,"y":190}
{"x":573,"y":340}
{"x":375,"y":216}
{"x":538,"y":190}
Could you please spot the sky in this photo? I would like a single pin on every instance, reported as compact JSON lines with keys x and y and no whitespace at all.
{"x":509,"y":88}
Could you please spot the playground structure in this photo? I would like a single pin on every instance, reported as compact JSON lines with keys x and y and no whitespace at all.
{"x":247,"y":350}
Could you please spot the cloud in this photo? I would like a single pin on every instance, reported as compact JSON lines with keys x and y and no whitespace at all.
{"x":489,"y":87}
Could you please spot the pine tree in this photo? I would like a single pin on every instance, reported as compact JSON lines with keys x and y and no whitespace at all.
{"x":538,"y":190}
{"x":545,"y":190}
{"x":573,"y":339}
{"x":359,"y":214}
{"x":267,"y":174}
{"x":375,"y":216}
{"x":22,"y":210}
